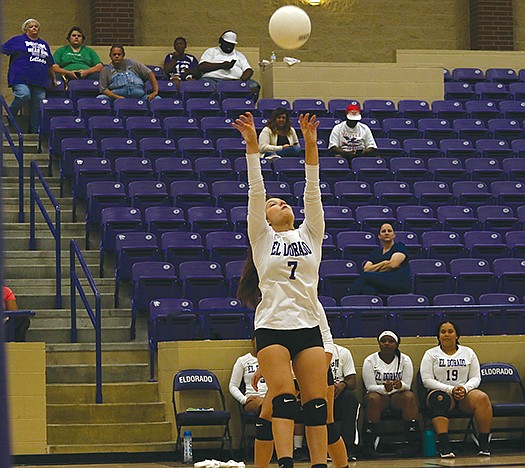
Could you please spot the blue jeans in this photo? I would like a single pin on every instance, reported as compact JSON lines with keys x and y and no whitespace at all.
{"x":31,"y":94}
{"x":293,"y":151}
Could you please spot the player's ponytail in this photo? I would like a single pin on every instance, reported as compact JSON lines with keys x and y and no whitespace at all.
{"x":248,"y":291}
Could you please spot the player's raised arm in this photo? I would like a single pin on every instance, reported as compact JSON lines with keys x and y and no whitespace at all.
{"x":246,"y":127}
{"x":309,"y":129}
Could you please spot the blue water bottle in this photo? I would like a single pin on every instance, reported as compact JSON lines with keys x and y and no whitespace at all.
{"x":187,"y":457}
{"x":429,"y":443}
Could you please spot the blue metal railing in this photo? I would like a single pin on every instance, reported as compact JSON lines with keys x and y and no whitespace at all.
{"x":95,"y":317}
{"x":55,"y":229}
{"x":18,"y":152}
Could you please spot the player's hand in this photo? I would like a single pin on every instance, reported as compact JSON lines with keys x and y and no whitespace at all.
{"x":309,"y":128}
{"x":338,"y":389}
{"x":389,"y":385}
{"x":459,"y":393}
{"x":246,"y":127}
{"x":255,"y":379}
{"x":398,"y":384}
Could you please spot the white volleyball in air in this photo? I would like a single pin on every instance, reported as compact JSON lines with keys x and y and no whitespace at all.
{"x":289,"y":27}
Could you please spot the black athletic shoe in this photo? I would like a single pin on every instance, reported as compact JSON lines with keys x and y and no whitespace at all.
{"x":445,"y":451}
{"x":301,"y":455}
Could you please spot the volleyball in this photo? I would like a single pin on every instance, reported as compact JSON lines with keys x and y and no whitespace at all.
{"x":289,"y":27}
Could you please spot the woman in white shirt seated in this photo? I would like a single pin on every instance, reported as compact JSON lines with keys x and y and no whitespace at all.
{"x":279,"y":138}
{"x":451,"y":373}
{"x":387,"y":376}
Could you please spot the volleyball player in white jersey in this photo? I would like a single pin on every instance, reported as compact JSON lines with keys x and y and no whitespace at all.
{"x":280,"y":279}
{"x":451,"y":372}
{"x":387,"y":376}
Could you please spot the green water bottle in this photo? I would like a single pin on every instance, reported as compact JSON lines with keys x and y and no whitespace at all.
{"x":429,"y":443}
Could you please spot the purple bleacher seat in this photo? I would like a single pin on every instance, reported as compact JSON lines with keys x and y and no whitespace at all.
{"x":193,"y":147}
{"x":290,"y":169}
{"x":448,"y":170}
{"x":513,"y":109}
{"x":337,"y":107}
{"x":167,"y":89}
{"x":417,"y":218}
{"x":118,"y":147}
{"x":326,"y":125}
{"x":449,"y":110}
{"x":421,"y":148}
{"x":231,"y":148}
{"x":471,"y":193}
{"x":226,"y":246}
{"x":468,"y":75}
{"x":228,"y":194}
{"x":411,"y":317}
{"x":312,"y":106}
{"x":375,"y":126}
{"x":218,"y":127}
{"x":511,"y":274}
{"x":443,"y":245}
{"x":267,"y":105}
{"x":201,"y":279}
{"x":447,"y":75}
{"x":130,"y":169}
{"x":461,"y":92}
{"x":433,"y":193}
{"x":484,"y":170}
{"x":471,"y":320}
{"x":493,"y":149}
{"x":457,"y":148}
{"x":514,"y":168}
{"x":232,"y":273}
{"x":181,"y":127}
{"x":329,"y":249}
{"x":505,"y":129}
{"x":130,"y":107}
{"x":238,"y":218}
{"x":430,"y":276}
{"x":233,"y":107}
{"x":143,"y":126}
{"x":57,"y":90}
{"x":508,"y":318}
{"x":336,"y":276}
{"x":157,"y":147}
{"x":521,"y":215}
{"x":356,"y":245}
{"x":436,"y":129}
{"x":497,"y":218}
{"x":212,"y":169}
{"x":162,"y":108}
{"x":241,"y":170}
{"x":334,"y":169}
{"x":182,"y":246}
{"x":409,"y":170}
{"x":517,"y":92}
{"x":73,"y":148}
{"x":407,"y":300}
{"x":510,"y":193}
{"x":161,"y":219}
{"x":280,"y":189}
{"x":515,"y":241}
{"x":87,"y":170}
{"x":88,"y":107}
{"x":191,"y":89}
{"x":104,"y":126}
{"x":225,"y":318}
{"x":130,"y":248}
{"x":400,"y":128}
{"x":370,"y":218}
{"x":370,"y":170}
{"x":411,"y":241}
{"x":486,"y":245}
{"x":459,"y":218}
{"x":327,"y":197}
{"x":389,"y":148}
{"x":171,"y":169}
{"x":228,"y":89}
{"x":64,"y":127}
{"x":202,"y":107}
{"x":151,"y":281}
{"x":54,"y":107}
{"x":491,"y":91}
{"x":365,"y":317}
{"x":502,"y":75}
{"x":83,"y":89}
{"x":414,"y":109}
{"x":116,"y":220}
{"x":470,"y":129}
{"x":518,"y":148}
{"x":337,"y":219}
{"x":336,"y":319}
{"x":362,"y":300}
{"x":498,"y":299}
{"x":188,"y":193}
{"x":204,"y":219}
{"x":393,"y":193}
{"x":146,"y":193}
{"x":380,"y":109}
{"x":158,"y":71}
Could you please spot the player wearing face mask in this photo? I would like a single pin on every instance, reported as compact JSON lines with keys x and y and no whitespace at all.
{"x":352,"y":138}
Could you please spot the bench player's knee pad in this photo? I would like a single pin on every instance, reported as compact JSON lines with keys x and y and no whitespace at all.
{"x":285,"y":406}
{"x":440,"y":403}
{"x":333,"y":433}
{"x":315,"y":412}
{"x":263,"y":429}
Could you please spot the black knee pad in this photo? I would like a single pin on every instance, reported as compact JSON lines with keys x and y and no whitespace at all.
{"x":263,"y":429}
{"x":315,"y":412}
{"x":333,"y":433}
{"x":285,"y":406}
{"x":439,"y":403}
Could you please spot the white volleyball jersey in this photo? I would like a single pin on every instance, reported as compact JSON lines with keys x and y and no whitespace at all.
{"x":243,"y":370}
{"x":342,"y":364}
{"x":377,"y":372}
{"x":441,"y":371}
{"x":359,"y":138}
{"x":287,"y":262}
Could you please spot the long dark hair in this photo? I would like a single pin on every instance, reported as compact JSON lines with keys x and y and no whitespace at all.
{"x":272,"y":121}
{"x":248,"y":291}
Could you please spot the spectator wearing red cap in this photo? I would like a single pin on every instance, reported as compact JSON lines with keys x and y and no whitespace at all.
{"x":352,"y":138}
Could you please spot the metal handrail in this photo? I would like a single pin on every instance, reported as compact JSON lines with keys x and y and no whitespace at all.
{"x":55,"y":229}
{"x":17,"y":151}
{"x":95,"y":317}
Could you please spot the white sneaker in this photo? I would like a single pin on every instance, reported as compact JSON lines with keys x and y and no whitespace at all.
{"x":272,"y":156}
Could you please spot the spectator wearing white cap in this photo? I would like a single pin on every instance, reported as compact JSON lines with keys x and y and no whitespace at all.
{"x":225,"y":63}
{"x":352,"y":138}
{"x":387,"y":377}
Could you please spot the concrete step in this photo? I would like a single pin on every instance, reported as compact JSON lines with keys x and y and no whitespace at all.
{"x":106,"y":413}
{"x":45,"y":266}
{"x":83,"y":353}
{"x":118,"y":433}
{"x":85,"y":373}
{"x":110,"y":334}
{"x":84,"y":393}
{"x":154,"y":447}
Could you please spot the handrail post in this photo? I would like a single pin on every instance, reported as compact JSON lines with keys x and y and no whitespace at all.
{"x":98,"y":347}
{"x":58,"y":256}
{"x":32,"y":228}
{"x":73,"y":294}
